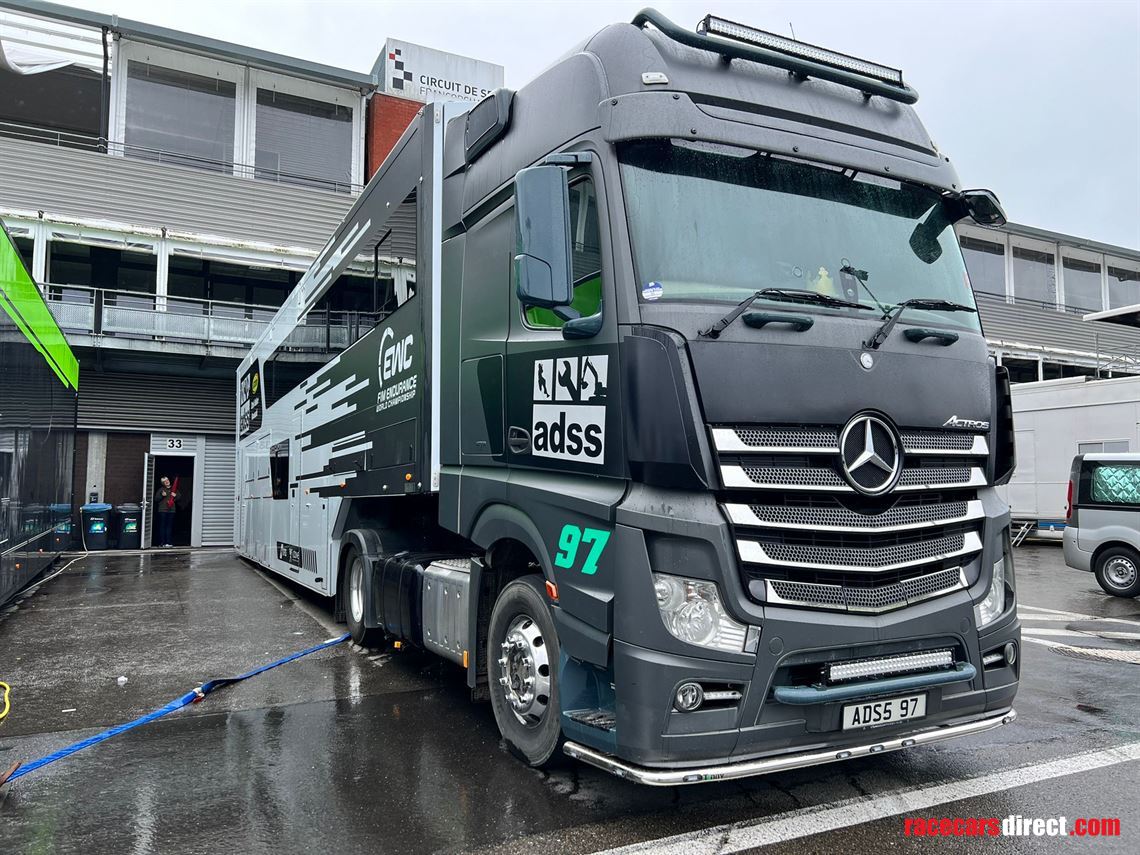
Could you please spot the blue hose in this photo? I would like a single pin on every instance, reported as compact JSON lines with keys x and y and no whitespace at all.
{"x":193,"y":696}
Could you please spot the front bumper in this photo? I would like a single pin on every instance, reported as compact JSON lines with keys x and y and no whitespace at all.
{"x":782,"y":763}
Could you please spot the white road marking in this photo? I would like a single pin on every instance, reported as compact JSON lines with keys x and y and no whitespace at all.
{"x":804,"y":822}
{"x":1065,"y":615}
{"x":1079,"y":633}
{"x":1132,"y":657}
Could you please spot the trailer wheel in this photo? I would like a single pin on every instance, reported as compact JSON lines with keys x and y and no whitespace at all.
{"x":522,"y":667}
{"x":354,"y":605}
{"x":1118,"y":571}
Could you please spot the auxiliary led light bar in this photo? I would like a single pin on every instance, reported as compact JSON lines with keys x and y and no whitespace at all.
{"x":889,"y":665}
{"x":713,"y":25}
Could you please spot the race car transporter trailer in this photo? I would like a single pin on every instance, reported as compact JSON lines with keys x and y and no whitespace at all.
{"x":683,"y":442}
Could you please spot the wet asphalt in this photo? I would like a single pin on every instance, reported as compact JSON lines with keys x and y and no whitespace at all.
{"x":369,"y":751}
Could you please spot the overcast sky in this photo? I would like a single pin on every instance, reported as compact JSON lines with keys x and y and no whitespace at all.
{"x":1039,"y":101}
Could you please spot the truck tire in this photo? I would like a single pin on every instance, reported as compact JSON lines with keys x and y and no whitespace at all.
{"x":354,"y":605}
{"x":1118,"y":571}
{"x":522,"y":670}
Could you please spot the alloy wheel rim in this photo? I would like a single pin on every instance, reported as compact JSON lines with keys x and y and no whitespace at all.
{"x":524,"y":671}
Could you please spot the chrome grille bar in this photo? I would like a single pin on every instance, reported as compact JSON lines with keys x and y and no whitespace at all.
{"x":780,"y":439}
{"x":860,"y":559}
{"x":898,"y":518}
{"x":881,"y":598}
{"x":819,"y":479}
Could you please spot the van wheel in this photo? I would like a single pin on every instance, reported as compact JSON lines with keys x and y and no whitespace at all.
{"x":354,"y":605}
{"x":522,"y":669}
{"x":1118,"y":571}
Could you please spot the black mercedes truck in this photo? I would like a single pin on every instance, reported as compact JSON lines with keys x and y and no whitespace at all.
{"x":679,"y":434}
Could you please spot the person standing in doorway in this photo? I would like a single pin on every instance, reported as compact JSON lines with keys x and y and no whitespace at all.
{"x":165,"y":506}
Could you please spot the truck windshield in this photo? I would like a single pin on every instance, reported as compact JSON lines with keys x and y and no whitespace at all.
{"x":712,"y":223}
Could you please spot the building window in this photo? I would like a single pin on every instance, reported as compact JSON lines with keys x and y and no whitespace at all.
{"x":1020,"y":370}
{"x":1077,"y":370}
{"x":177,"y":117}
{"x":62,"y":106}
{"x":303,"y":141}
{"x":1108,"y":446}
{"x":116,"y":270}
{"x":1034,"y":278}
{"x":985,"y":262}
{"x":25,"y":246}
{"x":1082,"y":284}
{"x":1123,"y":285}
{"x":238,"y":291}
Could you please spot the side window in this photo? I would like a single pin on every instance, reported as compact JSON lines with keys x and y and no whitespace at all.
{"x":586,"y":258}
{"x":1115,"y":484}
{"x":279,"y":469}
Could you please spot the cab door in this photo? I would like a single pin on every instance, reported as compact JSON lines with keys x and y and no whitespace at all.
{"x":562,"y":409}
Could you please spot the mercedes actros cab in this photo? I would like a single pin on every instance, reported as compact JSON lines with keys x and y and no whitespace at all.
{"x":680,"y":435}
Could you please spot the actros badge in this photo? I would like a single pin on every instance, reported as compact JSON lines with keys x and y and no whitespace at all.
{"x":569,"y":415}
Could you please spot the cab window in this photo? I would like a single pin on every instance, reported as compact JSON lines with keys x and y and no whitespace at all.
{"x":585,"y":257}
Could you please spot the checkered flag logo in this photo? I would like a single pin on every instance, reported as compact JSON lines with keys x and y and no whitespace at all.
{"x":402,"y":76}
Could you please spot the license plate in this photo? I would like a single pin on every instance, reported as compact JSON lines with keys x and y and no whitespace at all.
{"x":890,"y":711}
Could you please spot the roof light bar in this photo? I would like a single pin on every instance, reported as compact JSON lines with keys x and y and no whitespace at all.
{"x":712,"y":25}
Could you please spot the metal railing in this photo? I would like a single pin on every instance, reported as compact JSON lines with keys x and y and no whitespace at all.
{"x":95,"y":143}
{"x":140,"y":316}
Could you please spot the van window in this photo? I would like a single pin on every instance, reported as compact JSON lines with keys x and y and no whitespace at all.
{"x":1115,"y":483}
{"x":585,"y":258}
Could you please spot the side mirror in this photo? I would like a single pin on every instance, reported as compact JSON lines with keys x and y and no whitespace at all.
{"x":543,"y":273}
{"x":983,"y":207}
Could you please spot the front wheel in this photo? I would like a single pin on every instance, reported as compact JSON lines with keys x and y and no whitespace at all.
{"x":522,"y":667}
{"x":1118,"y":571}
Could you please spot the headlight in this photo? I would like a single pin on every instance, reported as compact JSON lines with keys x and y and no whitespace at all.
{"x":692,"y":612}
{"x":990,"y":608}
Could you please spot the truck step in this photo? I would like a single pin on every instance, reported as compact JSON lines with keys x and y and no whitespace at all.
{"x":601,"y":719}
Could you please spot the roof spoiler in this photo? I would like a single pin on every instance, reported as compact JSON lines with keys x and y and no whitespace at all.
{"x":736,"y":41}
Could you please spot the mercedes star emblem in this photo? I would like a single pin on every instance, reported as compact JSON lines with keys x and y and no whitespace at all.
{"x":870,"y":454}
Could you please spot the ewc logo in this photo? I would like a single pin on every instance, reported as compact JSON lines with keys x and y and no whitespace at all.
{"x":573,"y":425}
{"x":395,"y":358}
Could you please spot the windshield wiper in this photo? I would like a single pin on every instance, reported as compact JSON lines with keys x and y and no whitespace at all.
{"x":780,"y":295}
{"x":929,"y":304}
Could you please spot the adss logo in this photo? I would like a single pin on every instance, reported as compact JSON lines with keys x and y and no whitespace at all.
{"x":573,"y":425}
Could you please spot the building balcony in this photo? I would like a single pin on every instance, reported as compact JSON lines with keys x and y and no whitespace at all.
{"x":129,"y":320}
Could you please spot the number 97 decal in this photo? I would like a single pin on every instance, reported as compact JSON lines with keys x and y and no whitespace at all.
{"x":570,"y":542}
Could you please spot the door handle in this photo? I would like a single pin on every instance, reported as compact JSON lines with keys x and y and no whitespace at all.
{"x":518,"y":439}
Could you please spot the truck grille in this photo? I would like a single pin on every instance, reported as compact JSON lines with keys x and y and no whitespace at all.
{"x":806,"y":538}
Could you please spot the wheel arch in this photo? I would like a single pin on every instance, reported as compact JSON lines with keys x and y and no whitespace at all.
{"x":1110,"y":544}
{"x":499,"y":526}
